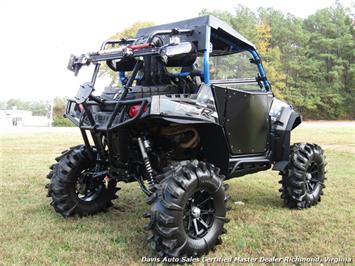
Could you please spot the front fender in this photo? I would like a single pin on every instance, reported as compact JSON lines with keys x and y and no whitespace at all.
{"x":284,"y":119}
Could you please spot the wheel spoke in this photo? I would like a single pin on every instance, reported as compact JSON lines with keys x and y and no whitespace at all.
{"x":203,"y":202}
{"x":311,"y":186}
{"x":198,"y":214}
{"x":313,"y":172}
{"x":207,"y":212}
{"x":195,"y":226}
{"x":202,"y":222}
{"x":88,"y":195}
{"x":189,"y":223}
{"x":315,"y":181}
{"x":308,"y":186}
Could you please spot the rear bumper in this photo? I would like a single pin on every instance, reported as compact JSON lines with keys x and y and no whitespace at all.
{"x":108,"y":115}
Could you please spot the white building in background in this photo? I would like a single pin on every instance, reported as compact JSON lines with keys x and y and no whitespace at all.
{"x":22,"y":118}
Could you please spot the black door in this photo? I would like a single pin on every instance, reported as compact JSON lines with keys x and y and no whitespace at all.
{"x":243,"y":110}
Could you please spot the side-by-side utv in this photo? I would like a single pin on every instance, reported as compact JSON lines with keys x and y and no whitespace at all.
{"x":180,"y":117}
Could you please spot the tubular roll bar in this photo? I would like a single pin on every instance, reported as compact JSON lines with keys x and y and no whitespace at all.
{"x":95,"y":58}
{"x":119,"y":104}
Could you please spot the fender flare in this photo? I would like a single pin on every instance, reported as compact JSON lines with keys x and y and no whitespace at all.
{"x":212,"y":138}
{"x":287,"y":121}
{"x":294,"y":121}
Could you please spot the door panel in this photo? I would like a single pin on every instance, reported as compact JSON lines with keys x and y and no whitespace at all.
{"x":247,"y":120}
{"x":245,"y":116}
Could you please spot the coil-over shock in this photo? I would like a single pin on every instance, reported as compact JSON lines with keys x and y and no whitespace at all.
{"x":144,"y":146}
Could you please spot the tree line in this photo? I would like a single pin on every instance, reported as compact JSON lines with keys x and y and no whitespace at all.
{"x":41,"y":108}
{"x":310,"y":62}
{"x":38,"y":108}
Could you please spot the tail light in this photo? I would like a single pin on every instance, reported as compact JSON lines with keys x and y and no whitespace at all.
{"x":133,"y":110}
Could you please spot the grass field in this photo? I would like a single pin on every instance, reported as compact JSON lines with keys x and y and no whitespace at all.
{"x":32,"y":233}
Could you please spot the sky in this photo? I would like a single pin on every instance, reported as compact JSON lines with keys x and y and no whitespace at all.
{"x":38,"y":36}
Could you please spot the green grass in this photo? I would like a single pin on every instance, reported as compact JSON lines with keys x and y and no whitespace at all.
{"x":32,"y":233}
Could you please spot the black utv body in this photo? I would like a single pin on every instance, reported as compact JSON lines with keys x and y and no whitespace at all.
{"x":179,"y":127}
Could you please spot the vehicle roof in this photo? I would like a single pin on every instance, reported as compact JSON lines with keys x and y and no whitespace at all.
{"x":220,"y":31}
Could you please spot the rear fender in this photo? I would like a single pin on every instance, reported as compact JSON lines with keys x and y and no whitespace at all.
{"x":215,"y":148}
{"x":212,"y":138}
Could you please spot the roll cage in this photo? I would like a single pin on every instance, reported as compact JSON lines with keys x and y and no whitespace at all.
{"x":207,"y":35}
{"x":211,"y":36}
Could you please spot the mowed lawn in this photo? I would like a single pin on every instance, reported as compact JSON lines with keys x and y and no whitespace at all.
{"x":31,"y":232}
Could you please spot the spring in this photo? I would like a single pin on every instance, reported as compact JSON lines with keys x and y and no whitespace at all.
{"x":149,"y":170}
{"x":148,"y":166}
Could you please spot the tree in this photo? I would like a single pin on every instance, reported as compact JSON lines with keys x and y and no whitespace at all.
{"x":309,"y":62}
{"x":38,"y":108}
{"x":131,"y":31}
{"x":59,"y":105}
{"x":331,"y":48}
